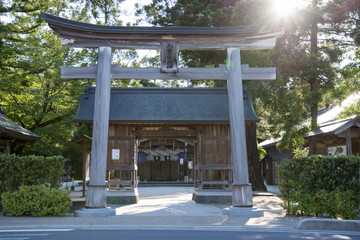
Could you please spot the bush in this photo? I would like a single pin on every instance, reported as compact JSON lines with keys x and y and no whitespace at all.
{"x":319,"y":185}
{"x":36,"y":201}
{"x":16,"y":171}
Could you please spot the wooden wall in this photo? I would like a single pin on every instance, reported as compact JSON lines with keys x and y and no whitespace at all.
{"x":214,"y":144}
{"x":121,"y":137}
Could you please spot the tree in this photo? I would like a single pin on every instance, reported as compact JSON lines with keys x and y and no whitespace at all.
{"x":31,"y":89}
{"x":309,"y":73}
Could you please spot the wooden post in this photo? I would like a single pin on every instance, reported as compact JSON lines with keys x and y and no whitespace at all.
{"x":96,"y":197}
{"x":85,"y":167}
{"x":7,"y":147}
{"x":241,"y":189}
{"x":348,"y":142}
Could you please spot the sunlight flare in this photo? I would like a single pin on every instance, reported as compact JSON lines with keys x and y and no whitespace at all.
{"x":284,"y":7}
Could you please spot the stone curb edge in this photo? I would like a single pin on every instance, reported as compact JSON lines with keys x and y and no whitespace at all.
{"x":329,"y":224}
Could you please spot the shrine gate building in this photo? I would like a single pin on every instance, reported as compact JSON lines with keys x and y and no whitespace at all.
{"x":168,"y":134}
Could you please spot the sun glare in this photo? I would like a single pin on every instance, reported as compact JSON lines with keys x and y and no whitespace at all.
{"x":284,"y":7}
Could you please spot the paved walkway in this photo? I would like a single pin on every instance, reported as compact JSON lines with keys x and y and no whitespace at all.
{"x":177,"y":201}
{"x":168,"y":207}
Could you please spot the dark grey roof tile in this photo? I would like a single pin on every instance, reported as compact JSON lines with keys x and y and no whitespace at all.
{"x":164,"y":105}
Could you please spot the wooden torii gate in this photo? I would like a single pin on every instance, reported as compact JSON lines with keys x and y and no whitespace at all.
{"x":169,"y":40}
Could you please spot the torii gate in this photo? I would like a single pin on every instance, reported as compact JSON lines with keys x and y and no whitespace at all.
{"x":169,"y":40}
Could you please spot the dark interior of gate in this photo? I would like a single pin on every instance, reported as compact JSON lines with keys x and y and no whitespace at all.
{"x":165,"y":160}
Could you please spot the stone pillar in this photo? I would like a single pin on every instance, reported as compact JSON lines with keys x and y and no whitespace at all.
{"x":96,"y":193}
{"x":241,"y":189}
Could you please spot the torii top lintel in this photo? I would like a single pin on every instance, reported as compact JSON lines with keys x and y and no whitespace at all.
{"x":85,"y":35}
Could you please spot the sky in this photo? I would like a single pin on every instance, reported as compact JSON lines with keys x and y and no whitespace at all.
{"x":129,"y":11}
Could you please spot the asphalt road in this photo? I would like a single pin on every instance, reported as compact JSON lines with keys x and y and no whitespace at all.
{"x":173,"y":234}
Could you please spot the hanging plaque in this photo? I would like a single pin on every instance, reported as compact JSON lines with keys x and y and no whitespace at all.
{"x":115,"y":154}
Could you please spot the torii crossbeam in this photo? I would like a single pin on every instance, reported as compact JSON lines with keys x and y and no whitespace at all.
{"x":169,"y":40}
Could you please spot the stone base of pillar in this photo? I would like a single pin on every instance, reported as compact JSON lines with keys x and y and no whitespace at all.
{"x":122,"y":197}
{"x":96,"y":196}
{"x":242,"y":195}
{"x":220,"y":197}
{"x":95,"y":212}
{"x":243,"y":212}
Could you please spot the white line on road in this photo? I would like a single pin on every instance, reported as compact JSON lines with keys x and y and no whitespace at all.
{"x":23,"y":235}
{"x":35,"y":230}
{"x":23,"y":238}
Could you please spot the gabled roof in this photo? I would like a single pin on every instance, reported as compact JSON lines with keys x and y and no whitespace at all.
{"x":325,"y":115}
{"x":12,"y":130}
{"x":336,"y":127}
{"x":164,"y":105}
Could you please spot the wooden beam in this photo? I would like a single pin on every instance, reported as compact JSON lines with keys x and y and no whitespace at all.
{"x":183,"y":45}
{"x":346,"y":127}
{"x":121,"y":167}
{"x":154,"y":73}
{"x":165,"y":133}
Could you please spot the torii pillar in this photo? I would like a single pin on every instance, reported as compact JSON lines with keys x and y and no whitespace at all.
{"x":241,"y":188}
{"x":96,"y":191}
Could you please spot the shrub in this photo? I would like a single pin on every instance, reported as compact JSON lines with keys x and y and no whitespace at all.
{"x":16,"y":171}
{"x":318,"y":185}
{"x":37,"y":200}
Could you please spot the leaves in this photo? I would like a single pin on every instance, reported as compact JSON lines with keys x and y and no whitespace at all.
{"x":36,"y":200}
{"x":30,"y":170}
{"x":319,"y":185}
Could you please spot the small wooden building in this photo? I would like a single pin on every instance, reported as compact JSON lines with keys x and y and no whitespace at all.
{"x":343,"y":133}
{"x":168,"y":134}
{"x":333,"y":136}
{"x":10,"y":131}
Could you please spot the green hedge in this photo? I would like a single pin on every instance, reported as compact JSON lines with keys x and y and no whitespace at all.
{"x":36,"y":201}
{"x":16,"y":171}
{"x":321,"y":185}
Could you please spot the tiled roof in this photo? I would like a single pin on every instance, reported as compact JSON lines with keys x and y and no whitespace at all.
{"x":161,"y":105}
{"x":336,"y":126}
{"x":10,"y":129}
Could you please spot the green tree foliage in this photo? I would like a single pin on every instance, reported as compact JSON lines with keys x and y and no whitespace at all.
{"x":37,"y":201}
{"x":320,"y":185}
{"x":32,"y":91}
{"x":16,"y":171}
{"x":309,"y":73}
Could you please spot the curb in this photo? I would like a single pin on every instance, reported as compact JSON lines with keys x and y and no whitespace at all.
{"x":329,"y":224}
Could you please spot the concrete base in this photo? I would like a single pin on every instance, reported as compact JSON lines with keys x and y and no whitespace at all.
{"x":243,"y":212}
{"x":95,"y":212}
{"x":77,"y":205}
{"x":329,"y":224}
{"x":122,"y":197}
{"x":207,"y":197}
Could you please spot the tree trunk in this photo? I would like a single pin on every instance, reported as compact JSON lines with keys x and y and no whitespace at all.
{"x":255,"y":177}
{"x":314,"y":82}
